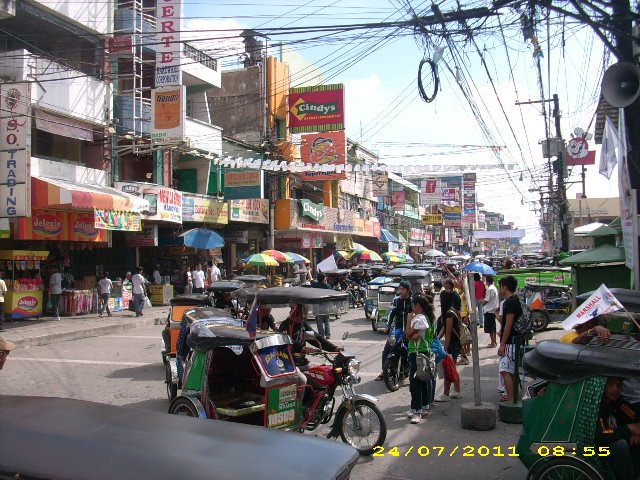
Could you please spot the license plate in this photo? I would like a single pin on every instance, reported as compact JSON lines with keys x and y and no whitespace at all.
{"x":281,"y":418}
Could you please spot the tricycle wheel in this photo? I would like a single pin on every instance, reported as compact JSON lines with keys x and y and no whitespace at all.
{"x":374,"y":324}
{"x":539,"y":319}
{"x":391,"y":374}
{"x":367,"y":313}
{"x":183,"y":406}
{"x":363,"y":427}
{"x":563,"y":468}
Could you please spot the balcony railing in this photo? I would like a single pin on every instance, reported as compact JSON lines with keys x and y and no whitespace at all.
{"x":200,"y":57}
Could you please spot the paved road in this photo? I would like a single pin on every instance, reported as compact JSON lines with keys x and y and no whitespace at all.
{"x":126,"y":369}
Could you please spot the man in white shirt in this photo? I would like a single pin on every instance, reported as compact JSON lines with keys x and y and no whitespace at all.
{"x":139,"y":291}
{"x":3,"y":289}
{"x":216,"y":275}
{"x":491,"y":304}
{"x":157,"y":278}
{"x":104,"y":287}
{"x":198,"y":280}
{"x":55,"y":292}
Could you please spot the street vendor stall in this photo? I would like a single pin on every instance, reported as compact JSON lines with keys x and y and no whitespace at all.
{"x":24,"y":297}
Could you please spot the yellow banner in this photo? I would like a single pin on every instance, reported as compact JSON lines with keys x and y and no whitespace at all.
{"x":432,"y":219}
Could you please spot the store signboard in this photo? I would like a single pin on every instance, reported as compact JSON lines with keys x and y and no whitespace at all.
{"x":168,"y":45}
{"x":60,"y":226}
{"x":380,"y":184}
{"x":252,"y":210}
{"x":115,"y":220}
{"x":316,"y":109}
{"x":430,"y":192}
{"x":168,"y":115}
{"x":204,"y":210}
{"x":398,"y":200}
{"x":315,"y":211}
{"x":432,"y":219}
{"x":236,"y":236}
{"x":147,"y":237}
{"x":416,"y":234}
{"x":240,"y":184}
{"x":165,"y":204}
{"x":328,"y":154}
{"x":449,"y":194}
{"x":15,"y":150}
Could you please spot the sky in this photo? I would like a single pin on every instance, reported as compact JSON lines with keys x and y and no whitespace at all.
{"x":384,"y":112}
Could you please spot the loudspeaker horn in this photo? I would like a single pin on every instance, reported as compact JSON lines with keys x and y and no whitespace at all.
{"x":621,"y":84}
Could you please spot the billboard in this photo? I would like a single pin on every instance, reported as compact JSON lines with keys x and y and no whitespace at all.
{"x":430,"y":192}
{"x":398,"y":200}
{"x":432,"y":219}
{"x":168,"y":114}
{"x":252,"y":210}
{"x":316,"y":109}
{"x":239,"y":184}
{"x":329,"y":150}
{"x":204,"y":210}
{"x":165,"y":204}
{"x":168,"y":45}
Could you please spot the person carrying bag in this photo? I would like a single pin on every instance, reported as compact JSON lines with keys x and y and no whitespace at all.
{"x":421,"y":364}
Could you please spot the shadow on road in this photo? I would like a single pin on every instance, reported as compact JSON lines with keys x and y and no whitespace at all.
{"x":143,"y":373}
{"x":160,"y":405}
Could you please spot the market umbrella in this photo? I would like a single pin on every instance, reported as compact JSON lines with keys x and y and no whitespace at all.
{"x":408,"y":258}
{"x":202,"y":238}
{"x":480,"y":267}
{"x":434,"y":253}
{"x":343,"y":254}
{"x":451,"y":253}
{"x":370,"y":255}
{"x":297,"y":258}
{"x":261,"y":260}
{"x":393,"y":257}
{"x":358,"y":247}
{"x":278,"y":256}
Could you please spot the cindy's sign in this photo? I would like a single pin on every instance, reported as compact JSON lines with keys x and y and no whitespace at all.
{"x":311,"y":210}
{"x":15,"y":129}
{"x":316,"y":109}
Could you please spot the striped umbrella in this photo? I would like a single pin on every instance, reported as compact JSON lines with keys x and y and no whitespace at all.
{"x":358,"y":248}
{"x":370,"y":255}
{"x":261,"y":260}
{"x":393,"y":257}
{"x":343,"y":254}
{"x":297,"y":258}
{"x":278,"y":256}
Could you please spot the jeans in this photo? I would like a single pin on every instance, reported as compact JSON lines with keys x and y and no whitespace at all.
{"x":1,"y":314}
{"x":385,"y":352}
{"x":138,"y":302}
{"x":55,"y":304}
{"x":420,"y":391}
{"x":105,"y":303}
{"x":322,"y":322}
{"x":480,"y":308}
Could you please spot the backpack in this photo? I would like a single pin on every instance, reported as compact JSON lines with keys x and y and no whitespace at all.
{"x":463,"y":330}
{"x":524,"y":324}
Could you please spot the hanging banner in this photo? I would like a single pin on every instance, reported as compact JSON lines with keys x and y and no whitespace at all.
{"x":239,"y":184}
{"x":204,"y":210}
{"x":168,"y":46}
{"x":113,"y":220}
{"x":601,"y":302}
{"x":314,"y":211}
{"x":398,"y":200}
{"x":254,"y":210}
{"x":15,"y":150}
{"x":327,"y":151}
{"x":147,"y":237}
{"x":165,"y":204}
{"x":502,"y":234}
{"x":316,"y":109}
{"x":60,"y":226}
{"x":168,"y":114}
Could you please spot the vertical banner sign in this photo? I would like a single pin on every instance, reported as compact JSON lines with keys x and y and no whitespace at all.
{"x":168,"y":45}
{"x":15,"y":151}
{"x":168,"y":113}
{"x":398,"y":200}
{"x":430,"y":192}
{"x":316,"y":109}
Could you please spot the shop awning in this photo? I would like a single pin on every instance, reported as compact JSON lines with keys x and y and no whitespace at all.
{"x":48,"y":192}
{"x":601,"y":254}
{"x":387,"y":236}
{"x":202,"y":238}
{"x":24,"y":255}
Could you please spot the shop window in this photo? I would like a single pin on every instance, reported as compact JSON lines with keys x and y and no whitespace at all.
{"x":45,"y":144}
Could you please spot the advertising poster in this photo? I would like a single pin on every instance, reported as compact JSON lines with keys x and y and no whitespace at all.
{"x":253,"y":210}
{"x":398,"y":200}
{"x":204,"y":210}
{"x":113,"y":220}
{"x":324,"y":149}
{"x":168,"y":113}
{"x":316,"y":109}
{"x":168,"y":46}
{"x":165,"y":204}
{"x":239,"y":184}
{"x":60,"y":226}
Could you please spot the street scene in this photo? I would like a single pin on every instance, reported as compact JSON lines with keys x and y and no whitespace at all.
{"x":366,"y":239}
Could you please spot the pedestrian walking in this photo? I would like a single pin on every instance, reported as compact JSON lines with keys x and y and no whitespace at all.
{"x":491,"y":301}
{"x":187,"y":281}
{"x":5,"y":347}
{"x":216,"y":275}
{"x":198,"y":279}
{"x":105,"y":286}
{"x":419,"y":322}
{"x":55,"y":292}
{"x":322,"y":321}
{"x":3,"y":289}
{"x":139,"y":291}
{"x":480,"y":291}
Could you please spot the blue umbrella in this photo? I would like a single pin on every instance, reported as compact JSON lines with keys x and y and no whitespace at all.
{"x":480,"y":267}
{"x":202,"y":238}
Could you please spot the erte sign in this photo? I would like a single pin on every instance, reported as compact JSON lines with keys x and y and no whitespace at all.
{"x":168,"y":45}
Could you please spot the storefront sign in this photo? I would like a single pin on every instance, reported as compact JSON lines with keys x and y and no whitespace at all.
{"x":240,"y":184}
{"x":15,"y":151}
{"x":236,"y":236}
{"x":204,"y":210}
{"x":430,"y":192}
{"x":432,"y":219}
{"x":168,"y":114}
{"x":449,"y":195}
{"x":315,"y":211}
{"x":327,"y":152}
{"x":398,"y":200}
{"x":578,"y":149}
{"x":380,"y":184}
{"x":147,"y":237}
{"x":168,"y":45}
{"x":255,"y":210}
{"x":307,"y":240}
{"x":165,"y":204}
{"x":316,"y":109}
{"x":377,"y":229}
{"x":60,"y":226}
{"x":113,"y":220}
{"x":454,"y":210}
{"x":416,"y":234}
{"x":428,"y":239}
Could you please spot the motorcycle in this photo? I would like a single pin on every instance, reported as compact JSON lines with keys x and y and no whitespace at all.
{"x":396,"y":366}
{"x":357,"y":420}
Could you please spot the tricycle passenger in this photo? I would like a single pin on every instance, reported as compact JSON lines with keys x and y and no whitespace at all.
{"x":618,"y":428}
{"x":583,"y":333}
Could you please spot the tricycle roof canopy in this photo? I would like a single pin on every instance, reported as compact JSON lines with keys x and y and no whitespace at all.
{"x":205,"y":337}
{"x":287,"y":295}
{"x":224,"y":286}
{"x":416,"y":274}
{"x":250,"y":278}
{"x":195,"y":299}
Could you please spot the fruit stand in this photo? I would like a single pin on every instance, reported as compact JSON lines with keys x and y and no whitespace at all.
{"x":25,"y":287}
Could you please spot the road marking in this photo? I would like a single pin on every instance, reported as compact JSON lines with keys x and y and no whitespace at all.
{"x":145,"y":337}
{"x":462,"y":377}
{"x":85,"y":362}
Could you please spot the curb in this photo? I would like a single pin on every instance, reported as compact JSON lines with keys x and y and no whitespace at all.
{"x":115,"y":327}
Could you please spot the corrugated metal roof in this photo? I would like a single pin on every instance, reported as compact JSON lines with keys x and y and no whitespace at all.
{"x":604,"y":110}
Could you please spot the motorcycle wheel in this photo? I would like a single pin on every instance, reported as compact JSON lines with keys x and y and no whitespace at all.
{"x":391,"y":374}
{"x":374,"y":324}
{"x":367,"y":314}
{"x":183,"y":407}
{"x":540,"y":319}
{"x":363,"y":427}
{"x":172,"y":388}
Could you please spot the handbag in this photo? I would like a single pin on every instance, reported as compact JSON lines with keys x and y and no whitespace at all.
{"x":426,"y":366}
{"x":147,"y":302}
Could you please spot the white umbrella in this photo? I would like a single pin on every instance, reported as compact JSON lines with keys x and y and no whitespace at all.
{"x":434,"y":253}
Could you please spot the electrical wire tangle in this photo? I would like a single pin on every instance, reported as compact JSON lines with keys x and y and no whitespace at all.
{"x":431,"y":92}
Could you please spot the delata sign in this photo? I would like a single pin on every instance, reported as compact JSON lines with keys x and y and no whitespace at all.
{"x":312,"y":210}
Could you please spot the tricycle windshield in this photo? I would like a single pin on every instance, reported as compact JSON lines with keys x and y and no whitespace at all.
{"x":275,"y":360}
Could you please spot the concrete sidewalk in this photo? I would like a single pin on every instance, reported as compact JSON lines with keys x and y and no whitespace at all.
{"x":43,"y":331}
